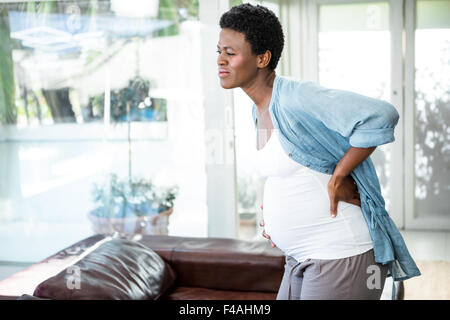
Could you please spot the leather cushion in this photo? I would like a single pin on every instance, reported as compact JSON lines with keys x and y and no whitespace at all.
{"x":117,"y":269}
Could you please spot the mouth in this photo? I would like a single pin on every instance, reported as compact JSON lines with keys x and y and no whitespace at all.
{"x":223,"y":73}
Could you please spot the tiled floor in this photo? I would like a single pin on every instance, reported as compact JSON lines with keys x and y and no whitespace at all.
{"x":433,"y":284}
{"x":431,"y":251}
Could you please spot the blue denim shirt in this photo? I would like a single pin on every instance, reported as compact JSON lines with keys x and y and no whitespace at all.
{"x":317,"y":126}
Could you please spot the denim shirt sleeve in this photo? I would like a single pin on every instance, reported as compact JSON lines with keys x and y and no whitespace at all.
{"x":365,"y":121}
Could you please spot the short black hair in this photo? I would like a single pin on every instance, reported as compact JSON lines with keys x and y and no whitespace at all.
{"x":261,"y":28}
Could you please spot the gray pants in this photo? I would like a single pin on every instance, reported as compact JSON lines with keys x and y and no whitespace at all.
{"x":352,"y":278}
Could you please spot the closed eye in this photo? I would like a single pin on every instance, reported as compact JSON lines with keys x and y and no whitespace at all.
{"x":227,"y":53}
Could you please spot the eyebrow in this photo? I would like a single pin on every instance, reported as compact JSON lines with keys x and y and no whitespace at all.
{"x":226,"y":47}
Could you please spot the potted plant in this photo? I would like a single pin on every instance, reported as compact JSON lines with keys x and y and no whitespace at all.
{"x":131,"y":207}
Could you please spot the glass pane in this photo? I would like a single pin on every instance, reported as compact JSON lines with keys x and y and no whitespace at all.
{"x":249,"y":183}
{"x":354,"y":55}
{"x":60,"y":55}
{"x":94,"y":88}
{"x":432,"y":109}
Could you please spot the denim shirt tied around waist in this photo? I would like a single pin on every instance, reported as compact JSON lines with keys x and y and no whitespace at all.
{"x":317,"y":126}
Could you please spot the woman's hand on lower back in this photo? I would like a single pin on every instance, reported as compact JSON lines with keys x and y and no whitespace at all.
{"x":342,"y":189}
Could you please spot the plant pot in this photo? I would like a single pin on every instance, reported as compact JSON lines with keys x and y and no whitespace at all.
{"x":146,"y":225}
{"x":247,"y":218}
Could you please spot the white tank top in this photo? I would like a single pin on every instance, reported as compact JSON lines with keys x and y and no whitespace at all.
{"x":296,"y":210}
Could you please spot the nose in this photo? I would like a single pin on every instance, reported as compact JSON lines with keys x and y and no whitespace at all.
{"x":220,"y":60}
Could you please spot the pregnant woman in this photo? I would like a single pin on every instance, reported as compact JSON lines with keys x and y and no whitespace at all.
{"x":322,"y":202}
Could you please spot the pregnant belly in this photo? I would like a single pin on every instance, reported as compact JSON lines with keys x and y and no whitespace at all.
{"x":297,"y":209}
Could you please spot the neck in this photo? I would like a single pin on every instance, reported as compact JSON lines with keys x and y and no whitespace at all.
{"x":260,"y":90}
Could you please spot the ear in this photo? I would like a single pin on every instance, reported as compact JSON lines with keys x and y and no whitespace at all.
{"x":264,"y":59}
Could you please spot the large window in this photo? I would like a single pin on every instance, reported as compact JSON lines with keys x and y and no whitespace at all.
{"x":354,"y":54}
{"x":249,"y":184}
{"x":432,"y":108}
{"x":398,"y":52}
{"x":428,"y":135}
{"x":89,"y":89}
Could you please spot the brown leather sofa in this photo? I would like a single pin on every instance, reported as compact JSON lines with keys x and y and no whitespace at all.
{"x":158,"y":267}
{"x":183,"y":268}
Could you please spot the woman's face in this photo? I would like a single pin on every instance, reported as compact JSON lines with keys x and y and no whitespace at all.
{"x":236,"y":61}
